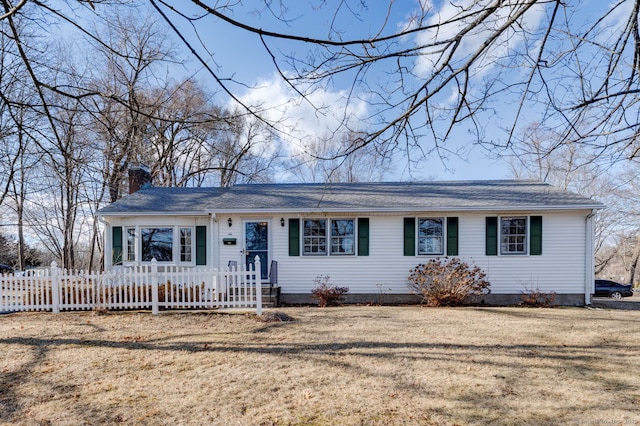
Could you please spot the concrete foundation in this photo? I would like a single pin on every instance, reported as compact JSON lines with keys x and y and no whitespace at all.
{"x":411,"y":299}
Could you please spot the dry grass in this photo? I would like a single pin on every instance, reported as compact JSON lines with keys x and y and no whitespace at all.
{"x":347,"y":365}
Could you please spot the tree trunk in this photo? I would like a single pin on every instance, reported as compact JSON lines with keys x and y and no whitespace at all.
{"x":634,"y":262}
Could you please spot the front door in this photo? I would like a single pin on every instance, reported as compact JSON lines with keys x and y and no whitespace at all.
{"x":256,"y":243}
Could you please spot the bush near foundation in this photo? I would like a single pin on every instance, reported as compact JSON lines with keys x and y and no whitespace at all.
{"x":537,"y":298}
{"x":448,"y":282}
{"x":325,"y":294}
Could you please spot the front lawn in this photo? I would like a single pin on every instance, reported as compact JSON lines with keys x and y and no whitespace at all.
{"x":348,"y":365}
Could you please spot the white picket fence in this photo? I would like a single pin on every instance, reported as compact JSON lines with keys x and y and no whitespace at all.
{"x":143,"y":287}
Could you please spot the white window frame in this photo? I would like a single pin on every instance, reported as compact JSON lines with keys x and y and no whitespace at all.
{"x":442,"y":236}
{"x":133,"y":255}
{"x":191,"y":253}
{"x":314,"y":240}
{"x":130,"y":254}
{"x":504,"y":245}
{"x":328,"y":238}
{"x":342,"y":238}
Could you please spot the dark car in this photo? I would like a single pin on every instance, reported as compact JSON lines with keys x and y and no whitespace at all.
{"x":608,"y":288}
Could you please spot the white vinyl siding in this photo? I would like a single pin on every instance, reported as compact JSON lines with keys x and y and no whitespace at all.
{"x":560,"y":268}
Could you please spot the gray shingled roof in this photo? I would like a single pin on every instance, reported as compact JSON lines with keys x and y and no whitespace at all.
{"x":352,"y":197}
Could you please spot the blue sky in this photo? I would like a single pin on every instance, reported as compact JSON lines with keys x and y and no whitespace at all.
{"x":239,"y":57}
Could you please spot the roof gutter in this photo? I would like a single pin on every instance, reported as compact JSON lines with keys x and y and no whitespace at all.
{"x":416,"y":208}
{"x":158,"y":213}
{"x":363,"y":210}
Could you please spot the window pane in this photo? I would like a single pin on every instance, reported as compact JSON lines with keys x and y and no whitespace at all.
{"x":342,"y":236}
{"x":131,"y":244}
{"x":513,"y":235}
{"x":185,"y":244}
{"x":431,"y":236}
{"x":256,"y":235}
{"x":157,"y":243}
{"x":315,"y":236}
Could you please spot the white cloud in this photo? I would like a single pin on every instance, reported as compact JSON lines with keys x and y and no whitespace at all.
{"x":613,"y":23}
{"x":447,"y":16}
{"x":322,"y":113}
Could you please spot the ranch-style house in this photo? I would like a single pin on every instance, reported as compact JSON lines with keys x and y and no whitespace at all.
{"x":525,"y":235}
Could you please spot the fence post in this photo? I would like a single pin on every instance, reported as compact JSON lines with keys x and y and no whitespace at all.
{"x":55,"y":287}
{"x":257,"y":270}
{"x":154,"y":286}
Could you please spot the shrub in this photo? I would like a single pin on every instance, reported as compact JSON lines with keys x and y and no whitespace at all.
{"x":537,"y":298}
{"x":325,"y":294}
{"x":448,"y":282}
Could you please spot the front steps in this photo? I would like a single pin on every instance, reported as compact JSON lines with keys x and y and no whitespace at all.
{"x":270,"y":296}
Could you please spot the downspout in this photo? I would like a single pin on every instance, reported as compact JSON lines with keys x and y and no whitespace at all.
{"x":589,"y":275}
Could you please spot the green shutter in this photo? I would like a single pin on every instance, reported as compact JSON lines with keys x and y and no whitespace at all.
{"x":452,"y":236}
{"x":492,"y":236}
{"x":201,"y":245}
{"x":294,"y":237}
{"x":363,"y":236}
{"x":116,"y":245}
{"x":409,"y":236}
{"x":535,"y":240}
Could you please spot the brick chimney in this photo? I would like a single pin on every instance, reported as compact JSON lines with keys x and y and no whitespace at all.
{"x":139,"y":177}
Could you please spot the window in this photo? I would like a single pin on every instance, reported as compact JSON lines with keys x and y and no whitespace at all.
{"x":186,"y":244}
{"x":431,"y":236}
{"x":157,"y":243}
{"x":314,"y":236}
{"x":513,"y":235}
{"x":131,"y":244}
{"x":342,"y":236}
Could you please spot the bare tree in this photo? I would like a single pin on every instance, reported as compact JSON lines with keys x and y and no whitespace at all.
{"x":63,"y":170}
{"x":195,"y":142}
{"x":314,"y":161}
{"x":448,"y":66}
{"x":437,"y":76}
{"x":243,"y":151}
{"x":451,"y":65}
{"x":174,"y":146}
{"x":20,"y":186}
{"x":572,"y":167}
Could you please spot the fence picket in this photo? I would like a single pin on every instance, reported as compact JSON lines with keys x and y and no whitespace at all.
{"x":57,"y":289}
